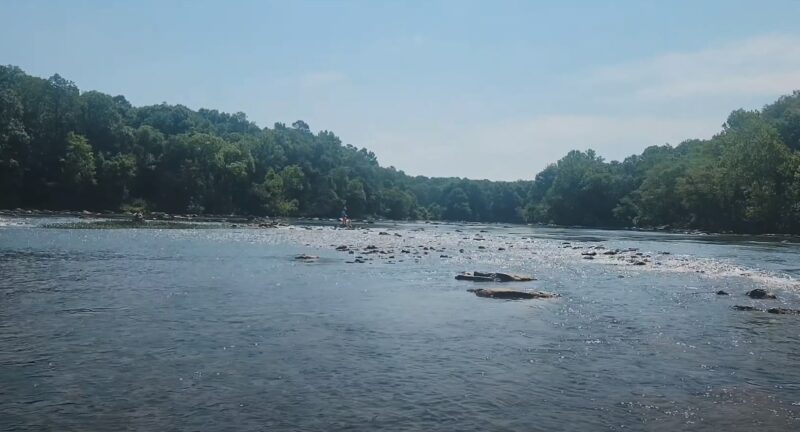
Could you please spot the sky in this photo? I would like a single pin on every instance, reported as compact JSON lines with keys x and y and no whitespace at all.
{"x":476,"y":89}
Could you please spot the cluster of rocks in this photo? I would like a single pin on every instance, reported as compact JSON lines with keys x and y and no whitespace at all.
{"x":401,"y":249}
{"x":502,"y":293}
{"x":390,"y":254}
{"x":777,"y":311}
{"x":762,"y":294}
{"x":631,"y":256}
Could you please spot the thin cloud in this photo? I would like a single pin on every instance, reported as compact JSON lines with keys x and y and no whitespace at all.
{"x":662,"y":99}
{"x":759,"y":66}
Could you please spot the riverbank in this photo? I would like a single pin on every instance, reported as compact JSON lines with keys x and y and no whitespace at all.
{"x":129,"y":219}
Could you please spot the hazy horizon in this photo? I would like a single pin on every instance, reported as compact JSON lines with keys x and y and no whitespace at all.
{"x":433,"y":89}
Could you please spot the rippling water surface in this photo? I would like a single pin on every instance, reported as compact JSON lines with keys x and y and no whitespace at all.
{"x":221,"y":329}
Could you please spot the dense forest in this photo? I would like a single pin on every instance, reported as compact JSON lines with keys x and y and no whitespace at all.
{"x":61,"y":148}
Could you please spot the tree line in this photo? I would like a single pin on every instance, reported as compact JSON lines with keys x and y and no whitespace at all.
{"x":61,"y":148}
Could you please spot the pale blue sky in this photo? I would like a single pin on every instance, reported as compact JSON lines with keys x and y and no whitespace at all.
{"x":443,"y":88}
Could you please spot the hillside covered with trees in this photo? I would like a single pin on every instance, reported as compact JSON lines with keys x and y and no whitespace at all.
{"x":61,"y":148}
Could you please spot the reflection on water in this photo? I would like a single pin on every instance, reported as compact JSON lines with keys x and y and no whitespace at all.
{"x":223,"y":330}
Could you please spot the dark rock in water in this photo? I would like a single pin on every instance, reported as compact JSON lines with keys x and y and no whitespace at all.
{"x":776,"y":311}
{"x":611,"y":252}
{"x":492,"y":277}
{"x":588,"y":257}
{"x":588,"y":253}
{"x":782,"y":311}
{"x":461,"y":250}
{"x":721,"y":292}
{"x":507,"y":294}
{"x":371,"y":247}
{"x":501,"y":248}
{"x":760,"y":293}
{"x":383,"y":233}
{"x":481,"y":247}
{"x":503,"y":277}
{"x":467,"y":276}
{"x":341,"y":248}
{"x":305,"y":257}
{"x":443,"y":256}
{"x":397,"y":235}
{"x":639,"y":263}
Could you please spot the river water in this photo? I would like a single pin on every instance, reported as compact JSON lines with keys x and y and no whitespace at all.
{"x":222,"y":329}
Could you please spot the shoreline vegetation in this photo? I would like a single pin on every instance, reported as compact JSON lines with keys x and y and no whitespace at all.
{"x":62,"y":149}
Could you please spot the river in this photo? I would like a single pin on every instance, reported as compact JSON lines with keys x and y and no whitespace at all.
{"x":222,"y":329}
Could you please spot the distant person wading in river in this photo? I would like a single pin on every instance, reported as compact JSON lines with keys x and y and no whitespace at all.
{"x":345,"y":221}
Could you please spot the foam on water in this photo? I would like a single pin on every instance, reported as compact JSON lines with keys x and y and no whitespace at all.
{"x":13,"y":222}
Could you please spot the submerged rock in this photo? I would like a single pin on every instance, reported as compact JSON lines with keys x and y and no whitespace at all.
{"x":492,"y":277}
{"x":760,"y":293}
{"x":304,"y":257}
{"x":721,"y":292}
{"x":782,"y":311}
{"x":776,"y":311}
{"x":508,"y":294}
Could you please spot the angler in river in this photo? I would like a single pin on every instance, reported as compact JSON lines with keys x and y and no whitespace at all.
{"x":344,"y":221}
